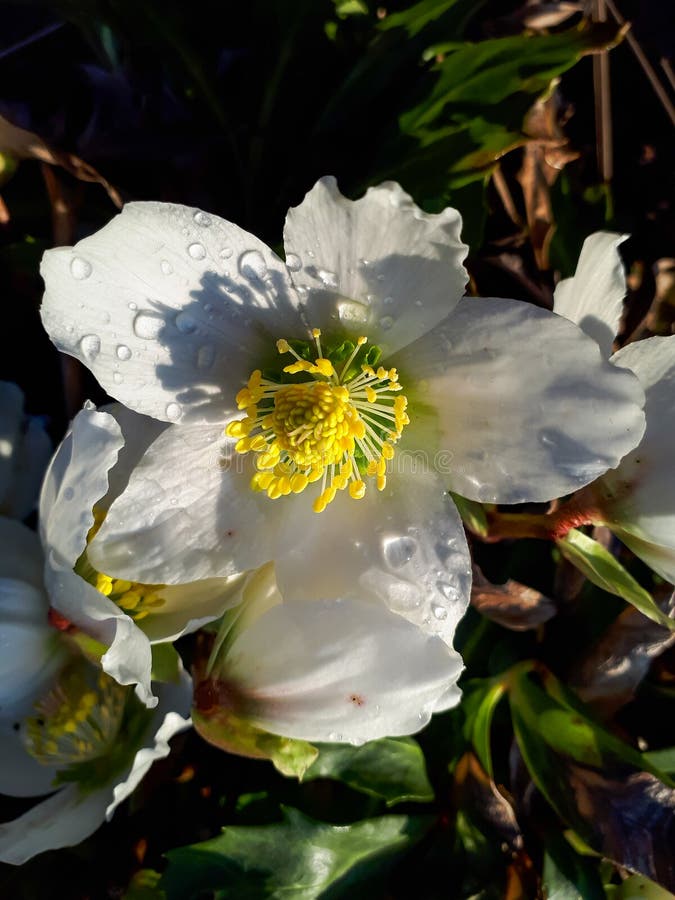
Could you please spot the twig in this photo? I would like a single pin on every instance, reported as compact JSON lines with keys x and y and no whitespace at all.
{"x":603,"y":103}
{"x":644,"y":62}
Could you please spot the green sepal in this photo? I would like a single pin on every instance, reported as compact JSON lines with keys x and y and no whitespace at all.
{"x":235,"y":734}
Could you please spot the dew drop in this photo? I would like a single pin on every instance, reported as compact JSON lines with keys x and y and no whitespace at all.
{"x":123,"y":352}
{"x":205,"y":356}
{"x":166,"y":267}
{"x":311,"y":254}
{"x":185,"y":323}
{"x":399,"y":550}
{"x":226,"y":253}
{"x":105,"y":318}
{"x":90,"y":345}
{"x":440,"y":612}
{"x":80,"y":268}
{"x":252,"y":265}
{"x":117,"y":378}
{"x":293,"y":262}
{"x":353,"y":312}
{"x":380,"y":277}
{"x":202,"y":219}
{"x":386,"y":322}
{"x":388,"y":301}
{"x":148,"y":325}
{"x":197,"y":250}
{"x":133,"y":305}
{"x":449,"y":591}
{"x":68,"y":493}
{"x":330,"y":279}
{"x":173,"y":412}
{"x":418,"y":303}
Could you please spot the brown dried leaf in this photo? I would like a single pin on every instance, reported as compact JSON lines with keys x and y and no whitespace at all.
{"x":512,"y":605}
{"x":479,"y":793}
{"x":23,"y":144}
{"x":612,"y":670}
{"x":632,"y":820}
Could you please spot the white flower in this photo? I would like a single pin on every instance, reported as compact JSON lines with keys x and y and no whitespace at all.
{"x":636,"y":499}
{"x":185,"y":317}
{"x":25,"y":449}
{"x":325,"y":670}
{"x":90,"y":468}
{"x":63,"y":723}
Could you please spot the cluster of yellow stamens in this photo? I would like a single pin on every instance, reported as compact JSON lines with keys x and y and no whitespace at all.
{"x":333,"y":427}
{"x":137,"y":600}
{"x":78,"y":719}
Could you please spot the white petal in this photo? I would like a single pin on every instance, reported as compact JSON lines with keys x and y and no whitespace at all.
{"x":189,"y":513}
{"x":76,"y":480}
{"x":639,"y":495}
{"x":187,"y":607}
{"x":658,"y":557}
{"x":11,"y":414}
{"x":340,"y":670}
{"x":171,"y":717}
{"x":593,"y":297}
{"x":62,"y":820}
{"x":128,"y":659}
{"x":20,"y":774}
{"x":30,"y":650}
{"x":378,"y":266}
{"x":169,"y":313}
{"x":138,"y":432}
{"x":403,"y":546}
{"x":526,"y":408}
{"x":21,"y":555}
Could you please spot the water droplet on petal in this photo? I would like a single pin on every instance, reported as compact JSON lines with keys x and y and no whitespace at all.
{"x":80,"y":268}
{"x":252,"y":265}
{"x":399,"y":550}
{"x":202,"y":219}
{"x":185,"y":323}
{"x":68,"y":494}
{"x":197,"y":250}
{"x":148,"y":325}
{"x":123,"y":352}
{"x":173,"y":412}
{"x":166,"y":267}
{"x":418,"y":303}
{"x":440,"y":612}
{"x":226,"y":252}
{"x":386,"y":322}
{"x":133,"y":305}
{"x":388,"y":301}
{"x":448,"y":590}
{"x":330,"y":279}
{"x":353,"y":312}
{"x":117,"y":378}
{"x":293,"y":262}
{"x":90,"y":345}
{"x":205,"y":356}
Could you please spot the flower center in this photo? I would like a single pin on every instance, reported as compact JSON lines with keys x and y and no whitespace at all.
{"x":335,"y":425}
{"x":78,"y":720}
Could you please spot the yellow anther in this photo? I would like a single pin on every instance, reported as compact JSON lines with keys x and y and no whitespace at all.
{"x":325,"y":367}
{"x":371,"y":394}
{"x":387,"y":451}
{"x":283,"y":346}
{"x":316,"y":332}
{"x":129,"y":600}
{"x":103,"y":583}
{"x":357,"y":490}
{"x":299,"y":482}
{"x":361,"y":341}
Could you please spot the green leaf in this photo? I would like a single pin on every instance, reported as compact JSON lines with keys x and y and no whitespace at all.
{"x":567,"y":875}
{"x":298,"y":858}
{"x":392,"y":769}
{"x":418,"y":16}
{"x":600,"y":567}
{"x":235,"y":734}
{"x":664,"y":760}
{"x":637,"y":886}
{"x":144,"y":886}
{"x":166,"y":663}
{"x":479,"y":710}
{"x":472,"y":513}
